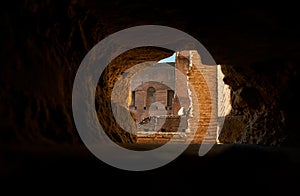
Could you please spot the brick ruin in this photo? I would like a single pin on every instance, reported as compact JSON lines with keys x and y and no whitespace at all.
{"x":179,"y":100}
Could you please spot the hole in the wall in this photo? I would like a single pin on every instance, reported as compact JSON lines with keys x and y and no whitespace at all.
{"x":146,"y":96}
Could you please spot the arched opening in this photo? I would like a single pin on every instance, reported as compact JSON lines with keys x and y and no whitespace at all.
{"x":132,"y":104}
{"x":170,"y":99}
{"x":151,"y":96}
{"x":154,"y":93}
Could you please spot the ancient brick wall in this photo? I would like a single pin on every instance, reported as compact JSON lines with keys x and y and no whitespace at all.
{"x":196,"y":89}
{"x":203,"y":86}
{"x":199,"y":89}
{"x":141,"y":108}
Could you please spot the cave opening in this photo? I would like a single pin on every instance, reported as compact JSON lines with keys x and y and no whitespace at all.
{"x":175,"y":98}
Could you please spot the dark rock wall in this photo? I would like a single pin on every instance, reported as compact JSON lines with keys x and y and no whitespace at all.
{"x":257,"y":114}
{"x":45,"y":41}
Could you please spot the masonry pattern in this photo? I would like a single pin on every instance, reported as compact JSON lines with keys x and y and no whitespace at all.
{"x":205,"y":97}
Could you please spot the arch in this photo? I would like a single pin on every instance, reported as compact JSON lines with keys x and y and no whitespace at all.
{"x":170,"y":97}
{"x":151,"y":96}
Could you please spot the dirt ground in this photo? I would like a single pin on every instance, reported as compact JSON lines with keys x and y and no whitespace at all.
{"x":225,"y":170}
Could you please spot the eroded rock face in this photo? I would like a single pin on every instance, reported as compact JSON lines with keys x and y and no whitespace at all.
{"x":44,"y":43}
{"x":259,"y":98}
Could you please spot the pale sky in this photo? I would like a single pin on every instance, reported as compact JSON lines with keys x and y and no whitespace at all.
{"x":168,"y":59}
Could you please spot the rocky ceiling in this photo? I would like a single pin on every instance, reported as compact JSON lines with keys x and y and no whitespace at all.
{"x":44,"y":42}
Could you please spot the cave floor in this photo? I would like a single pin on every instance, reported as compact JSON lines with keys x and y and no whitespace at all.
{"x":229,"y":169}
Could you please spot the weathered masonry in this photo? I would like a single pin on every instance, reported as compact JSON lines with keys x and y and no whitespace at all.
{"x":184,"y":99}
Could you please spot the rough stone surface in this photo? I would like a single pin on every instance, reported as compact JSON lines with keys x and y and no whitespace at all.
{"x":44,"y":43}
{"x":255,"y":116}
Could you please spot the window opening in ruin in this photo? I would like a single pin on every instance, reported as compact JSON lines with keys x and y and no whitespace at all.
{"x":132,"y":99}
{"x":170,"y":98}
{"x":151,"y":96}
